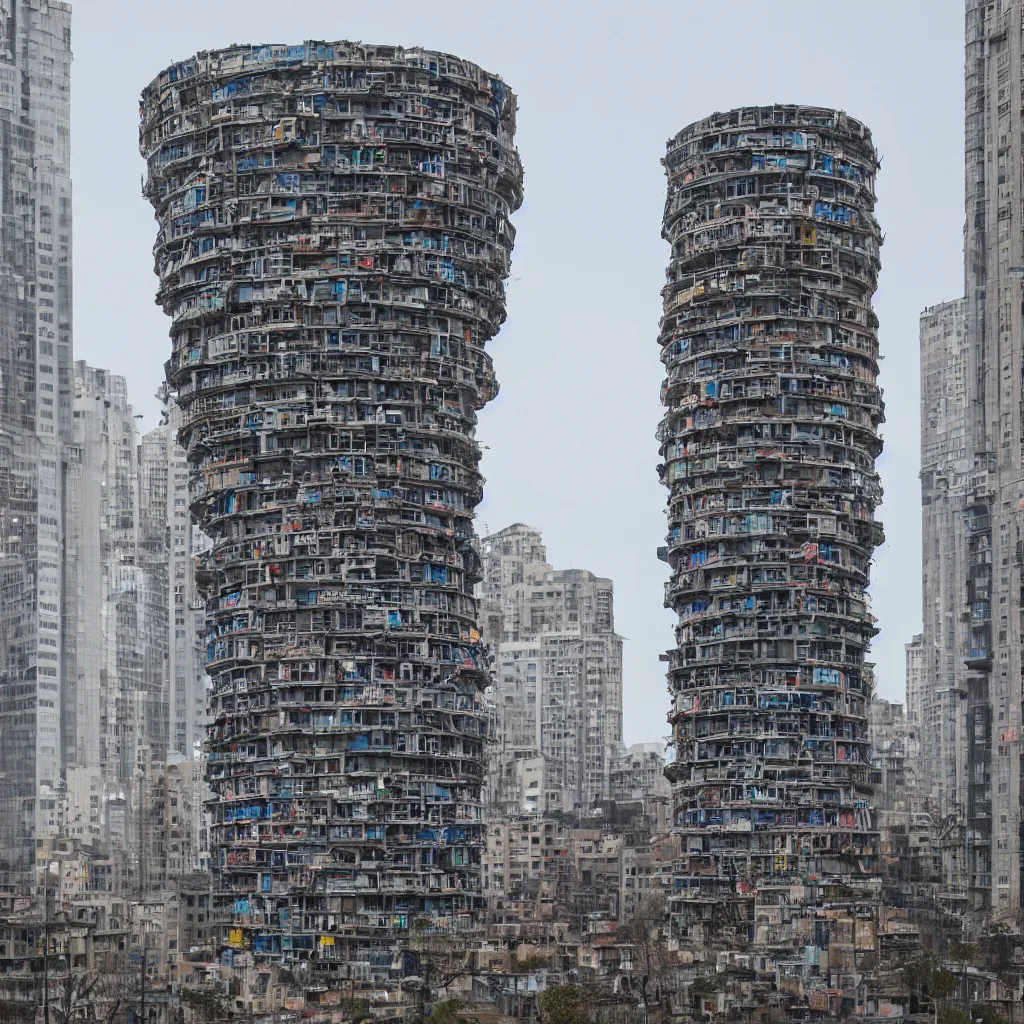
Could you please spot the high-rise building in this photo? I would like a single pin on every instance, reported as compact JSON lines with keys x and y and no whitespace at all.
{"x":935,"y":706}
{"x":169,"y":545}
{"x":333,"y":239}
{"x":170,"y":824}
{"x":973,"y":494}
{"x":638,"y":777}
{"x":910,"y":842}
{"x":769,"y":441}
{"x":112,"y":699}
{"x":140,"y":685}
{"x":991,"y":579}
{"x":512,"y":557}
{"x":557,"y":693}
{"x":896,"y":760}
{"x":522,"y":596}
{"x":581,"y":717}
{"x":37,"y":727}
{"x":915,"y":680}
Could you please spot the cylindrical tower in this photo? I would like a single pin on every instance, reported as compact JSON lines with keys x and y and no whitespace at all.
{"x":769,"y":441}
{"x":333,"y":239}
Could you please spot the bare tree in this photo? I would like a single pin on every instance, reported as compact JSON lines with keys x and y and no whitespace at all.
{"x":73,"y":994}
{"x":207,"y":1007}
{"x":89,"y":995}
{"x":650,"y":953}
{"x":441,"y":959}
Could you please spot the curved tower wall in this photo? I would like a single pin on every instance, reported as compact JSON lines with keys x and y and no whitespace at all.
{"x":769,"y":441}
{"x":333,"y":239}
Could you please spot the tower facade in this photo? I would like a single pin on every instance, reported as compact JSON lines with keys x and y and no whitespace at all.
{"x":168,"y":547}
{"x":333,"y":239}
{"x":769,"y":441}
{"x":38,"y":616}
{"x":140,"y":685}
{"x":935,"y":708}
{"x":991,"y":580}
{"x":116,"y":708}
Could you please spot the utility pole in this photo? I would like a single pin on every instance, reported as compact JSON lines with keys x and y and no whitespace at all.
{"x":142,"y":1001}
{"x":963,"y":977}
{"x":46,"y":941}
{"x":142,"y":889}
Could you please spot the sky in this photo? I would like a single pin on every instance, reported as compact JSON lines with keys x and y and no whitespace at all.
{"x":570,"y":445}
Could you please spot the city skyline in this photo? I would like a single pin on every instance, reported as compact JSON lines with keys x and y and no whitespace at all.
{"x":286,"y":728}
{"x":604,"y":348}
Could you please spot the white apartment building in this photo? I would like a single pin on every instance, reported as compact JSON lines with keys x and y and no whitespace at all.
{"x":557,"y":694}
{"x":37,"y":729}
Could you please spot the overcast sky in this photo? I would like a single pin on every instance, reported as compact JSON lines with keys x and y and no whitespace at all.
{"x":571,"y":447}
